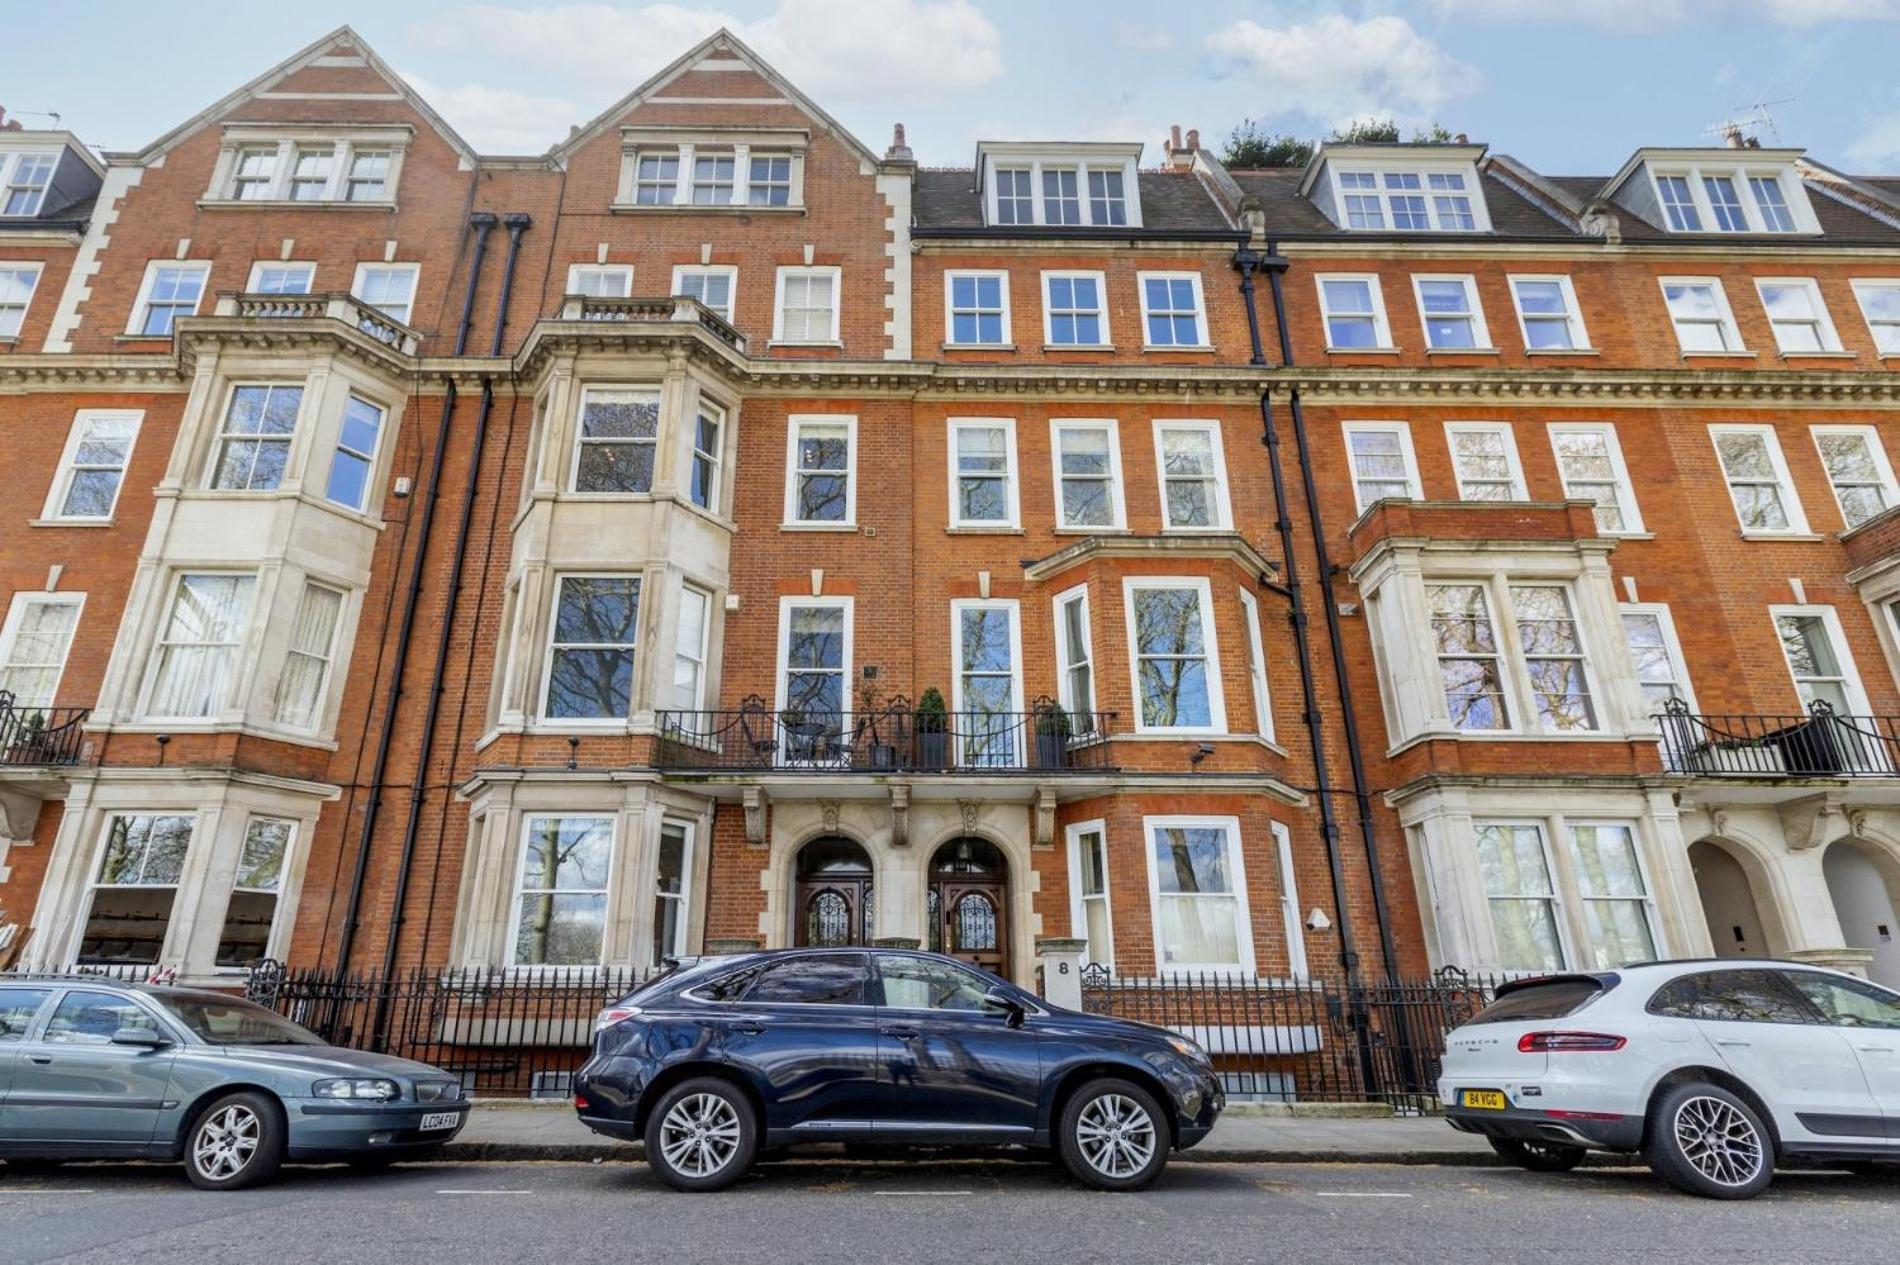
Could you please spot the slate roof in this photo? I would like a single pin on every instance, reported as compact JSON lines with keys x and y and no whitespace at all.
{"x":945,"y":203}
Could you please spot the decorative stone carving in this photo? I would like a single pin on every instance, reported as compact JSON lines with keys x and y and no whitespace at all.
{"x":828,"y":810}
{"x":1810,"y":821}
{"x":900,"y":814}
{"x":755,"y":816}
{"x":1046,"y":815}
{"x":19,"y":813}
{"x":969,"y":809}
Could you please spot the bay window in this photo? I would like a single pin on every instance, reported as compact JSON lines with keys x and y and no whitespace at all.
{"x":254,"y":442}
{"x":244,"y":940}
{"x":307,"y":663}
{"x":561,"y":897}
{"x":197,"y":658}
{"x":1521,"y":896}
{"x":135,"y":888}
{"x":619,"y":438}
{"x":591,"y":648}
{"x":1175,"y":658}
{"x":1511,"y":650}
{"x":1617,"y":914}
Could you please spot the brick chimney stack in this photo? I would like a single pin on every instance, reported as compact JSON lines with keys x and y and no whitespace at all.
{"x":1180,"y":155}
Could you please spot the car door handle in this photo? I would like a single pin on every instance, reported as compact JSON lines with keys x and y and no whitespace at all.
{"x":902,"y":1034}
{"x":1731,"y":1041}
{"x":748,"y":1029}
{"x":41,"y":1059}
{"x":1877,"y":1049}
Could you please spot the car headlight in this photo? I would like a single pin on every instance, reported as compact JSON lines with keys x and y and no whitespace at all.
{"x":1188,"y":1049}
{"x":373,"y":1090}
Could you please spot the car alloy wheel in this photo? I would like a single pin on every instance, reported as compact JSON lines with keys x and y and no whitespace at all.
{"x":1719,"y":1141}
{"x":226,"y":1141}
{"x":700,"y":1135}
{"x":1116,"y":1135}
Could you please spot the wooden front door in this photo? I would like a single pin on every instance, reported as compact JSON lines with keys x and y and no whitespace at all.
{"x":972,"y":921}
{"x":832,"y":912}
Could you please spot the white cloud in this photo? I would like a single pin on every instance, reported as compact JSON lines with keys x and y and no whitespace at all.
{"x":1335,"y":66}
{"x":500,"y":120}
{"x":1877,"y":149}
{"x":1143,"y":39}
{"x":1635,"y":16}
{"x":833,"y":49}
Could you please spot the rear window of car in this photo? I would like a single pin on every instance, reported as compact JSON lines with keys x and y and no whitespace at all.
{"x":1547,"y":999}
{"x":833,"y":979}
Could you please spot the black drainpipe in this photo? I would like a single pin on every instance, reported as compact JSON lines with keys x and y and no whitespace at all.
{"x":481,"y":222}
{"x":1249,"y":261}
{"x":517,"y":224}
{"x":1275,"y":266}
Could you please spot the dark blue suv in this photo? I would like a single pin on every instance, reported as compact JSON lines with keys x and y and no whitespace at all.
{"x":727,"y":1056}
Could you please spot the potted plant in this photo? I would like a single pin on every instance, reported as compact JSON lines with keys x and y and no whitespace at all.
{"x":1053,"y":732}
{"x":29,"y":739}
{"x":932,"y":725}
{"x":872,"y":722}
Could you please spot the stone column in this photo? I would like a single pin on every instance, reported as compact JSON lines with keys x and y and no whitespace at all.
{"x":1061,"y":960}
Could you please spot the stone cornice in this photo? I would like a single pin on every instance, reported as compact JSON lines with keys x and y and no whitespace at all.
{"x":321,"y":336}
{"x":33,"y":372}
{"x":1226,"y":546}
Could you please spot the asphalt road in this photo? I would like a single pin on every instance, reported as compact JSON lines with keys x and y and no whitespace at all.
{"x":935,"y":1211}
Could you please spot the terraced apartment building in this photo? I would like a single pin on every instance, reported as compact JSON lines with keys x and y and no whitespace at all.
{"x":716,"y":530}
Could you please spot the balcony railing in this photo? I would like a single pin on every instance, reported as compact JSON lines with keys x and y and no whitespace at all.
{"x":1817,"y":743}
{"x":896,"y":738}
{"x":678,"y":307}
{"x":40,"y":735}
{"x":338,"y":306}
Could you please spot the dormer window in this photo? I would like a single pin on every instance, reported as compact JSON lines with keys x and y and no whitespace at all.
{"x":1724,"y":192}
{"x":26,"y":176}
{"x":725,"y":168}
{"x":1049,"y":185}
{"x":1410,"y":200}
{"x":261,"y":164}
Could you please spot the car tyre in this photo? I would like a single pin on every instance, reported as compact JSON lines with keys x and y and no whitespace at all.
{"x":702,"y":1135}
{"x":1538,"y":1156}
{"x":1113,"y":1136}
{"x":236,"y":1142}
{"x":1707,"y":1141}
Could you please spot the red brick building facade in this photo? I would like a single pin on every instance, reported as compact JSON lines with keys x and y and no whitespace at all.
{"x":716,"y":530}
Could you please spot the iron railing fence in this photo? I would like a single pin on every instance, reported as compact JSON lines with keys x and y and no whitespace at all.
{"x":41,"y":735}
{"x":1305,"y":1041}
{"x":896,"y":738}
{"x":505,"y":1033}
{"x":1819,"y":742}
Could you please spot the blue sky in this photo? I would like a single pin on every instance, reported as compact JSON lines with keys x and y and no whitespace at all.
{"x":1569,"y":86}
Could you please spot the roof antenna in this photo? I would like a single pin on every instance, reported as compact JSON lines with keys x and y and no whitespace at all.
{"x":1743,"y":128}
{"x":12,"y":115}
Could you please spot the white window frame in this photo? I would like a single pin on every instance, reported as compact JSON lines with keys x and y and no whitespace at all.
{"x":222,"y":435}
{"x":1257,"y":665}
{"x":1579,"y":333}
{"x":951,"y":276}
{"x":96,"y":863}
{"x":1784,"y":481}
{"x":1823,"y":319}
{"x":1007,"y":745}
{"x":1480,"y":331}
{"x":1200,"y":310}
{"x":1889,"y":488}
{"x":1652,"y":917}
{"x":236,"y":680}
{"x":1094,"y":954}
{"x":1236,"y":867}
{"x":1296,"y":963}
{"x":729,"y":271}
{"x":10,"y":164}
{"x":778,"y":304}
{"x":1509,"y":435}
{"x":1799,"y":210}
{"x":1672,"y":646}
{"x":714,"y":458}
{"x":22,"y":601}
{"x":850,"y":520}
{"x":415,"y":283}
{"x":1415,"y":489}
{"x":319,"y":701}
{"x":1065,"y":663}
{"x":369,"y":459}
{"x":1381,"y":326}
{"x":1613,"y":448}
{"x":638,"y":650}
{"x":1101,"y":309}
{"x":260,"y":266}
{"x":135,"y":327}
{"x":1118,"y":509}
{"x":1862,"y":286}
{"x":1732,"y":344}
{"x":581,"y":440}
{"x":1519,"y":698}
{"x":1081,"y":165}
{"x":1473,"y":193}
{"x":1557,"y":900}
{"x":689,"y":849}
{"x":293,"y":828}
{"x":25,"y":267}
{"x":696,"y":655}
{"x":847,"y":663}
{"x":1852,"y":683}
{"x":511,"y":926}
{"x":624,"y":273}
{"x":1011,"y":476}
{"x":1223,"y":503}
{"x":1216,"y":689}
{"x":67,"y":471}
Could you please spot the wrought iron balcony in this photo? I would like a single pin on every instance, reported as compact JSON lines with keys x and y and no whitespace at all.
{"x":896,"y":738}
{"x":1819,"y":742}
{"x":40,"y":735}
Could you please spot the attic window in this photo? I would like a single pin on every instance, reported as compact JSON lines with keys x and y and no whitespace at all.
{"x":26,"y":177}
{"x":258,"y":165}
{"x":722,"y":168}
{"x":1712,"y":198}
{"x":1408,"y":199}
{"x":1078,"y":185}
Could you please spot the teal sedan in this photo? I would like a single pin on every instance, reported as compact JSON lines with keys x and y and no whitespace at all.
{"x":95,"y":1069}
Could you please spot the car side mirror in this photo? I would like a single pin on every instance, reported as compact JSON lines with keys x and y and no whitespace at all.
{"x":999,"y":999}
{"x":145,"y":1038}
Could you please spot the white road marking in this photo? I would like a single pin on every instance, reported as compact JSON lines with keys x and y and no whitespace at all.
{"x":935,"y":1194}
{"x":484,"y":1192}
{"x":53,"y":1190}
{"x":1361,"y":1194}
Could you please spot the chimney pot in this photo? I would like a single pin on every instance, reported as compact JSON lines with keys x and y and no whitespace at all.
{"x":1194,"y":138}
{"x":1462,"y":139}
{"x":1174,"y":137}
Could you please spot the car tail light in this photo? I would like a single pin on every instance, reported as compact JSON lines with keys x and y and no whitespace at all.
{"x":1569,"y":1042}
{"x":613,"y":1015}
{"x":580,"y":1103}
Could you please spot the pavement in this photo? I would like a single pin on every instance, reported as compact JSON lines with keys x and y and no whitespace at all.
{"x":502,"y":1130}
{"x":922,"y":1213}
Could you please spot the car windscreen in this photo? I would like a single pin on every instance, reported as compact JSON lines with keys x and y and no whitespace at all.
{"x":1546,"y":999}
{"x":234,"y":1022}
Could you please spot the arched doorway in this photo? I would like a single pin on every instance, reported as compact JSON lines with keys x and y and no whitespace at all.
{"x":1728,"y":903}
{"x":835,"y":901}
{"x":1857,"y":879}
{"x":967,"y":909}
